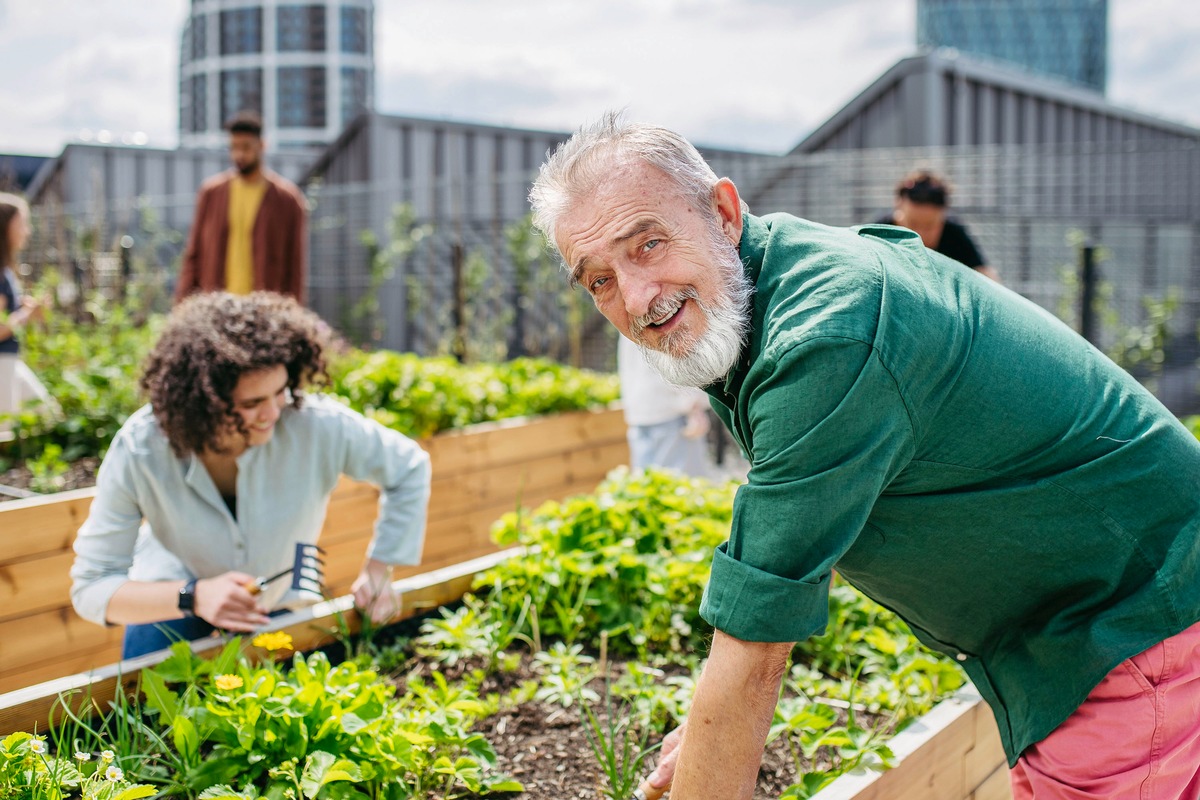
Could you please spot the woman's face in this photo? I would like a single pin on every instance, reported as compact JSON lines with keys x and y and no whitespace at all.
{"x":18,"y":231}
{"x":258,"y":399}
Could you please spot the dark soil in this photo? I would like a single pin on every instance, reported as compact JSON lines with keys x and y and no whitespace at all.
{"x":80,"y":475}
{"x":545,"y":747}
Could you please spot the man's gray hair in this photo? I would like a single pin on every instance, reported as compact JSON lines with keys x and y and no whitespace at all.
{"x":583,"y":161}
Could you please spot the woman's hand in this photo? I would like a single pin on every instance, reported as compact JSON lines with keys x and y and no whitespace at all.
{"x":373,"y":592}
{"x":225,"y":602}
{"x":35,"y":309}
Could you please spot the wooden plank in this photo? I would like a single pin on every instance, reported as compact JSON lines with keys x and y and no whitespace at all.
{"x":996,"y":786}
{"x":598,"y":461}
{"x":48,"y":635}
{"x":348,"y":519}
{"x":501,"y":443}
{"x":41,"y":525}
{"x":476,"y":489}
{"x":34,"y":585}
{"x":988,"y":753}
{"x":32,"y":674}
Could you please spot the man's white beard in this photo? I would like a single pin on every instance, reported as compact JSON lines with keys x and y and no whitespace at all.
{"x":728,"y":322}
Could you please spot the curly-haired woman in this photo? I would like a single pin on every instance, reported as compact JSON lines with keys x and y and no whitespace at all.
{"x":230,"y":466}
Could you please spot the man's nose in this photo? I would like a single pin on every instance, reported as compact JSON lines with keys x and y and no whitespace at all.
{"x":638,"y":290}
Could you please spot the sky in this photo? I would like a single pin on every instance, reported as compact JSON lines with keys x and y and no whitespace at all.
{"x":746,"y":74}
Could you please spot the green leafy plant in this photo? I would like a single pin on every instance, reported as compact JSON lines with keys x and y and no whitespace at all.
{"x":48,"y":470}
{"x":620,"y":749}
{"x":628,"y":562}
{"x":363,"y":320}
{"x":316,"y":730}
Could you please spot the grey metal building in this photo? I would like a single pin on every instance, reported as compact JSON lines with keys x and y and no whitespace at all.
{"x":1064,"y":39}
{"x":308,"y":68}
{"x":947,"y":99}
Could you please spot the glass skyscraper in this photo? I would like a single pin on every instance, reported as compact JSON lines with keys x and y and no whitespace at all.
{"x":1067,"y":39}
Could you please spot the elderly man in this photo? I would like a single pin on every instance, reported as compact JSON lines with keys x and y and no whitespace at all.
{"x":953,"y":450}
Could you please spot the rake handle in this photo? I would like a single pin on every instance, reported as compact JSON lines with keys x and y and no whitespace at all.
{"x":648,"y":792}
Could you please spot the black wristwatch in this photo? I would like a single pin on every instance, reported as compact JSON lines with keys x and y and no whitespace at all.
{"x":187,"y":598}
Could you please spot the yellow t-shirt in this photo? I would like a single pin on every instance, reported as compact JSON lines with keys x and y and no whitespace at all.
{"x":244,"y":200}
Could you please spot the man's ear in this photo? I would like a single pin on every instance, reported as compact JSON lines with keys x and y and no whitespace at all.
{"x":729,"y":209}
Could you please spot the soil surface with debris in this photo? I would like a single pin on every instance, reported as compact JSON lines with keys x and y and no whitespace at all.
{"x":80,"y":475}
{"x":546,"y":748}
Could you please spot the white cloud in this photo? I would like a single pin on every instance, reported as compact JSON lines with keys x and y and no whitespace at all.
{"x":98,"y":65}
{"x":758,"y":74}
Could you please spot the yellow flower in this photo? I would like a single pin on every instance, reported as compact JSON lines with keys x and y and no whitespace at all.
{"x":107,"y":755}
{"x":273,"y":640}
{"x":37,"y":746}
{"x":113,"y":774}
{"x":227,"y":683}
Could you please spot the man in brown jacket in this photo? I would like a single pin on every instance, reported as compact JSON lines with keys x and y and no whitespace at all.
{"x":250,"y":228}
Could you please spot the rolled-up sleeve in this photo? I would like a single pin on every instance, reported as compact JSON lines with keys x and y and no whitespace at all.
{"x":828,"y":430}
{"x":401,"y":470}
{"x":105,"y":543}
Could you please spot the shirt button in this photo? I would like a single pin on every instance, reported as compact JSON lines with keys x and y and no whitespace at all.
{"x":961,"y":656}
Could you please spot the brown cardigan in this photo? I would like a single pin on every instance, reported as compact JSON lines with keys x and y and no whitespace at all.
{"x":279,"y":244}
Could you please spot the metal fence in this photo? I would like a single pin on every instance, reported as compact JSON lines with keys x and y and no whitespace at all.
{"x":456,"y":281}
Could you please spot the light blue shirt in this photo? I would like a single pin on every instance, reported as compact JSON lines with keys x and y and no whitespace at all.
{"x":283,"y":488}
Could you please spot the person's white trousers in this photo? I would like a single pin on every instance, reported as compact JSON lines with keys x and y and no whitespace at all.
{"x":18,"y":386}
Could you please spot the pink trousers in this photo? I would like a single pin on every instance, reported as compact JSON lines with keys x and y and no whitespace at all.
{"x":1136,"y":737}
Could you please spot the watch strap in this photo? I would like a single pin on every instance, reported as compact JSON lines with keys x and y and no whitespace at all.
{"x":187,"y":598}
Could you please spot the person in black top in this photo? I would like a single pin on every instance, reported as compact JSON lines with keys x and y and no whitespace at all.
{"x":921,"y":200}
{"x":18,"y":385}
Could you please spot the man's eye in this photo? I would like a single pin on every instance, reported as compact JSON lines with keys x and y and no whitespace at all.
{"x":650,"y":245}
{"x":597,"y":285}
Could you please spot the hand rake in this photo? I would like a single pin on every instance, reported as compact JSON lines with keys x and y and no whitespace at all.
{"x":307,"y":571}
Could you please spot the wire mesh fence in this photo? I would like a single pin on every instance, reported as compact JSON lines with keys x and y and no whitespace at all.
{"x":430,"y":265}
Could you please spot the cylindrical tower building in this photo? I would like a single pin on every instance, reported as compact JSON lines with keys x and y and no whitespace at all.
{"x":308,"y":68}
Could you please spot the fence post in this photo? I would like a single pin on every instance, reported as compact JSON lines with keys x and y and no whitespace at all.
{"x":1087,"y":291}
{"x":126,"y":265}
{"x":77,"y":277}
{"x":459,"y":310}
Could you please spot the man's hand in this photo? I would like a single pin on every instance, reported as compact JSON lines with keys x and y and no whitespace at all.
{"x":664,"y":772}
{"x":373,"y":592}
{"x":225,"y":602}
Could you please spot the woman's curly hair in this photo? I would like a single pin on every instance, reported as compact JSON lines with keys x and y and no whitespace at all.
{"x":210,"y":342}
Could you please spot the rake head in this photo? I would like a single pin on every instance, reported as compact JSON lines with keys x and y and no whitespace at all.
{"x":307,"y":571}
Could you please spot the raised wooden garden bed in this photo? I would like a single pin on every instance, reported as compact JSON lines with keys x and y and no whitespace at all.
{"x":478,"y":474}
{"x":952,"y":753}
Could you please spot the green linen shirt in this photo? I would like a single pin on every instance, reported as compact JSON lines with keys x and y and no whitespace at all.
{"x":963,"y":458}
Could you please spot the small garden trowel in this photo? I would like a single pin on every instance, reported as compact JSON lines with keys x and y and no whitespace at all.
{"x":307,"y":571}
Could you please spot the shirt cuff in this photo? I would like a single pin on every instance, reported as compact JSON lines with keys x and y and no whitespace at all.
{"x":756,"y":606}
{"x":91,"y":599}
